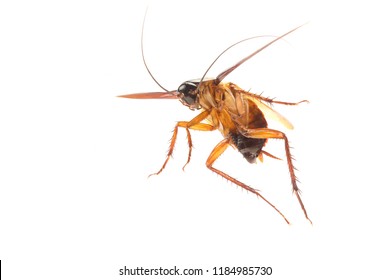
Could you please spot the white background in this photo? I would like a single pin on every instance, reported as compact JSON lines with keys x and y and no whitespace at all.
{"x":75,"y":201}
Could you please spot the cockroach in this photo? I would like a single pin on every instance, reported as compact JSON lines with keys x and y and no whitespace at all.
{"x":239,"y":115}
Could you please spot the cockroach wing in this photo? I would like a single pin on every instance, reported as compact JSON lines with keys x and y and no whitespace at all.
{"x":271,"y":113}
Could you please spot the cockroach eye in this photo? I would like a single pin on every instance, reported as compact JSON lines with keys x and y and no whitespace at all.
{"x":188,"y":95}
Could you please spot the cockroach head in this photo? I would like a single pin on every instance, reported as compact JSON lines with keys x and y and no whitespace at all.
{"x":189,"y":94}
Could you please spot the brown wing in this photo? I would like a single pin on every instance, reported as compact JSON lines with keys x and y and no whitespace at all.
{"x":235,"y":98}
{"x":269,"y":112}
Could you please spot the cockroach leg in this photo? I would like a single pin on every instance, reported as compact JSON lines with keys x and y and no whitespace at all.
{"x":270,"y":155}
{"x":266,"y":133}
{"x":170,"y":150}
{"x":194,"y":124}
{"x":273,"y":101}
{"x":215,"y":154}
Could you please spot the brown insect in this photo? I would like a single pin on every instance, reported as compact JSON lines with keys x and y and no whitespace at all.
{"x":238,"y":114}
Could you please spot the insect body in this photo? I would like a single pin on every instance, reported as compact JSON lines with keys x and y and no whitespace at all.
{"x":238,"y":114}
{"x":233,"y":112}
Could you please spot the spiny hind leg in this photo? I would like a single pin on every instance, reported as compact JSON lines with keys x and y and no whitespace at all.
{"x":215,"y":154}
{"x":266,"y":133}
{"x":260,"y":157}
{"x":272,"y":101}
{"x":195,"y":124}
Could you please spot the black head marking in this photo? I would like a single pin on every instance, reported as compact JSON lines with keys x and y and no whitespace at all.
{"x":188,"y":94}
